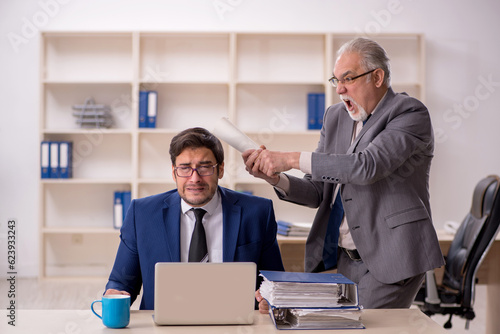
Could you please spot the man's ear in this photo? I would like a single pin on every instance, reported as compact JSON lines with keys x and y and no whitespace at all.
{"x":378,"y":77}
{"x":220,"y":170}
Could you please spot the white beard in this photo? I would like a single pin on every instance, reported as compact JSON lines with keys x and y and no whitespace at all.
{"x":361,"y":116}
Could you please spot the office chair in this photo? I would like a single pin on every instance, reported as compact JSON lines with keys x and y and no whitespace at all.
{"x":473,"y":239}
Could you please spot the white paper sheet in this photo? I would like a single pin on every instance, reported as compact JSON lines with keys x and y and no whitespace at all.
{"x":229,"y":133}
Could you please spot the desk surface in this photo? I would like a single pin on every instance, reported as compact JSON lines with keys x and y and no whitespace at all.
{"x":83,"y":321}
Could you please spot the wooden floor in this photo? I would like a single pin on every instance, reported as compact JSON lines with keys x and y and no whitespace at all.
{"x":78,"y":294}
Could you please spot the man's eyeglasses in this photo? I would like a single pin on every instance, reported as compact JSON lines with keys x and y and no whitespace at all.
{"x":347,"y":80}
{"x":187,"y":171}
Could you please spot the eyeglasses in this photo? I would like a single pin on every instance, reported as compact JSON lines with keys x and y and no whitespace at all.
{"x":186,"y":171}
{"x":348,"y":80}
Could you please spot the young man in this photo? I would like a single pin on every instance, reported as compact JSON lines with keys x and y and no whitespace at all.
{"x":159,"y":228}
{"x":369,"y":179}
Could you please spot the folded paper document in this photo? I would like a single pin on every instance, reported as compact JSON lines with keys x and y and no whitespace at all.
{"x":228,"y":132}
{"x":311,"y":300}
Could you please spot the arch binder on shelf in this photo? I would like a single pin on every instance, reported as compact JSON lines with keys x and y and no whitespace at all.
{"x":122,"y":201}
{"x":45,"y":159}
{"x":148,"y":108}
{"x":56,"y":159}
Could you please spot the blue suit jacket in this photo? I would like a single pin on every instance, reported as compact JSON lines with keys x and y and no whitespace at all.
{"x":151,"y":234}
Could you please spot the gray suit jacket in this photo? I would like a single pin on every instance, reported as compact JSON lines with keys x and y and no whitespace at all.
{"x":384,"y":178}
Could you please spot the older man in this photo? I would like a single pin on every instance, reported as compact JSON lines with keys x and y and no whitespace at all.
{"x":369,"y":180}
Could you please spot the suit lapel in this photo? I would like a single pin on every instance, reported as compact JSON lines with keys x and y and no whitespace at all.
{"x":231,"y":220}
{"x":171,"y":220}
{"x":373,"y":118}
{"x":345,"y":129}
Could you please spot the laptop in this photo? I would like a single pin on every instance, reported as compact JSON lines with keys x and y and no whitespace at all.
{"x":204,"y":293}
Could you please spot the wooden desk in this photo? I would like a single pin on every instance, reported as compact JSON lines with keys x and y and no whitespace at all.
{"x":293,"y":248}
{"x":397,"y":321}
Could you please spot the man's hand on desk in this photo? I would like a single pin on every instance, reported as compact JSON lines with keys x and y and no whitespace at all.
{"x":116,"y":292}
{"x":263,"y":305}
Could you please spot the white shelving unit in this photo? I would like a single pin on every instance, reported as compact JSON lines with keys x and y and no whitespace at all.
{"x":259,"y":80}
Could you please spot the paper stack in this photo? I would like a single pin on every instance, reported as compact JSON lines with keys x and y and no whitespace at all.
{"x":293,"y":229}
{"x":324,"y":318}
{"x":311,"y":300}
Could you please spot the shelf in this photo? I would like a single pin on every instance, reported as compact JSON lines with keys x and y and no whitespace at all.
{"x":153,"y":188}
{"x":83,"y":131}
{"x":181,"y":57}
{"x":97,"y":155}
{"x":287,"y":133}
{"x":154,"y":161}
{"x":79,"y":255}
{"x":79,"y":205}
{"x":59,"y":99}
{"x":86,"y":82}
{"x":88,"y":181}
{"x":88,"y":57}
{"x":277,"y":107}
{"x":278,"y":83}
{"x":201,"y":81}
{"x":280,"y":57}
{"x":157,"y":131}
{"x":177,"y":105}
{"x":168,"y":180}
{"x":80,"y":230}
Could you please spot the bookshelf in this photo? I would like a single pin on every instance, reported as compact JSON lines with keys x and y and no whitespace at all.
{"x":259,"y":80}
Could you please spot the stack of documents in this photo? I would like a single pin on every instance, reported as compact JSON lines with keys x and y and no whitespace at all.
{"x":321,"y":318}
{"x":311,"y":300}
{"x":293,"y":229}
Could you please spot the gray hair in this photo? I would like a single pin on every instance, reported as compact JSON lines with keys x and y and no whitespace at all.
{"x":372,"y":55}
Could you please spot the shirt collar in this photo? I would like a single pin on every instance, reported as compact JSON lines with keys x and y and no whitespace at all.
{"x":209,"y":207}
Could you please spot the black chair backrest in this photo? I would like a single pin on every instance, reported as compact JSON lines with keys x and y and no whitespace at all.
{"x":473,"y":239}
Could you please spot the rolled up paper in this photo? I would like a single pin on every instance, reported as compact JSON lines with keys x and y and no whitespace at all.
{"x":229,"y":133}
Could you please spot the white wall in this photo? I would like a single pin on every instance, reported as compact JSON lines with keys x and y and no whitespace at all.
{"x":463,"y":79}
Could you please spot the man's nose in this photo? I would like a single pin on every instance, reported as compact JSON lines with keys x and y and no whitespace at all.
{"x":340,"y":89}
{"x":195,"y":176}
